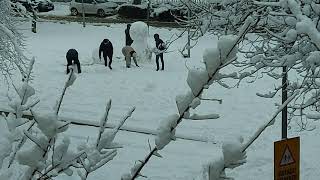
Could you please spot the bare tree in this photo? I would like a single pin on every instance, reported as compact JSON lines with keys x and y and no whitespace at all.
{"x":286,"y":37}
{"x":11,"y":47}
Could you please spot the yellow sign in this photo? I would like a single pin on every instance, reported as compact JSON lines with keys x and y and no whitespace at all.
{"x":287,"y":159}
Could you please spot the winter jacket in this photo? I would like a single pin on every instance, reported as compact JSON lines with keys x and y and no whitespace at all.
{"x":105,"y":47}
{"x":160,"y":44}
{"x":129,"y":41}
{"x":127,"y":51}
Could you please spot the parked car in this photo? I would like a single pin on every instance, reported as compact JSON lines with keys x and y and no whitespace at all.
{"x":98,"y":7}
{"x":45,"y":5}
{"x":36,"y":5}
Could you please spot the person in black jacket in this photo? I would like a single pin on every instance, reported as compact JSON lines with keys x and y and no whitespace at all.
{"x":129,"y":41}
{"x":160,"y":48}
{"x":72,"y":58}
{"x":107,"y":49}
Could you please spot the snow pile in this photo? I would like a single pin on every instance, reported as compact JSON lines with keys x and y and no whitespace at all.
{"x":166,"y":131}
{"x":139,"y":35}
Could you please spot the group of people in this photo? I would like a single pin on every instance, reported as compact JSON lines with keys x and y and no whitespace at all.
{"x":106,"y":49}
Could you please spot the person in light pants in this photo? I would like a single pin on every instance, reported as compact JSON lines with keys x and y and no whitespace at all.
{"x":129,"y":52}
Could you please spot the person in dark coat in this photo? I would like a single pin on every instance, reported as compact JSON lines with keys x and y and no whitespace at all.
{"x":160,"y":48}
{"x":72,"y":58}
{"x":129,"y":41}
{"x":107,"y":49}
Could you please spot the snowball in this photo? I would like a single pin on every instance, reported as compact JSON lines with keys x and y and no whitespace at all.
{"x":166,"y":131}
{"x":197,"y":78}
{"x":183,"y":101}
{"x":211,"y":58}
{"x":232,"y":153}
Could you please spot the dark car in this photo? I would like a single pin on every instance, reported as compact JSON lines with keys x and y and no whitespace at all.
{"x":45,"y":5}
{"x":36,"y":5}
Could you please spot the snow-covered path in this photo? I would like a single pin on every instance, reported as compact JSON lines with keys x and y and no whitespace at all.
{"x":153,"y":93}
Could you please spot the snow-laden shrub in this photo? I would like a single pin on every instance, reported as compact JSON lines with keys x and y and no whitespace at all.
{"x":40,"y":149}
{"x":11,"y":46}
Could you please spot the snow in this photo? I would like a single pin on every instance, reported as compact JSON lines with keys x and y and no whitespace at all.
{"x":197,"y":78}
{"x":166,"y":131}
{"x":211,"y":58}
{"x":232,"y":153}
{"x":153,"y":93}
{"x":184,"y":101}
{"x":313,"y":60}
{"x":226,"y":47}
{"x":139,"y":35}
{"x":291,"y":35}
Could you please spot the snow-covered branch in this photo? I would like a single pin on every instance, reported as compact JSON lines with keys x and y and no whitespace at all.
{"x":198,"y":80}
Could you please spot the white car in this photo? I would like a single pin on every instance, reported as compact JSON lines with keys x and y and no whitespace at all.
{"x":99,"y":7}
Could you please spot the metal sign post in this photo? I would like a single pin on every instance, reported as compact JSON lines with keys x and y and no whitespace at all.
{"x":286,"y":151}
{"x":284,"y":98}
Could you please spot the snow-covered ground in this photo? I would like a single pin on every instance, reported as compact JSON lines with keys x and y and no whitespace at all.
{"x":153,"y":93}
